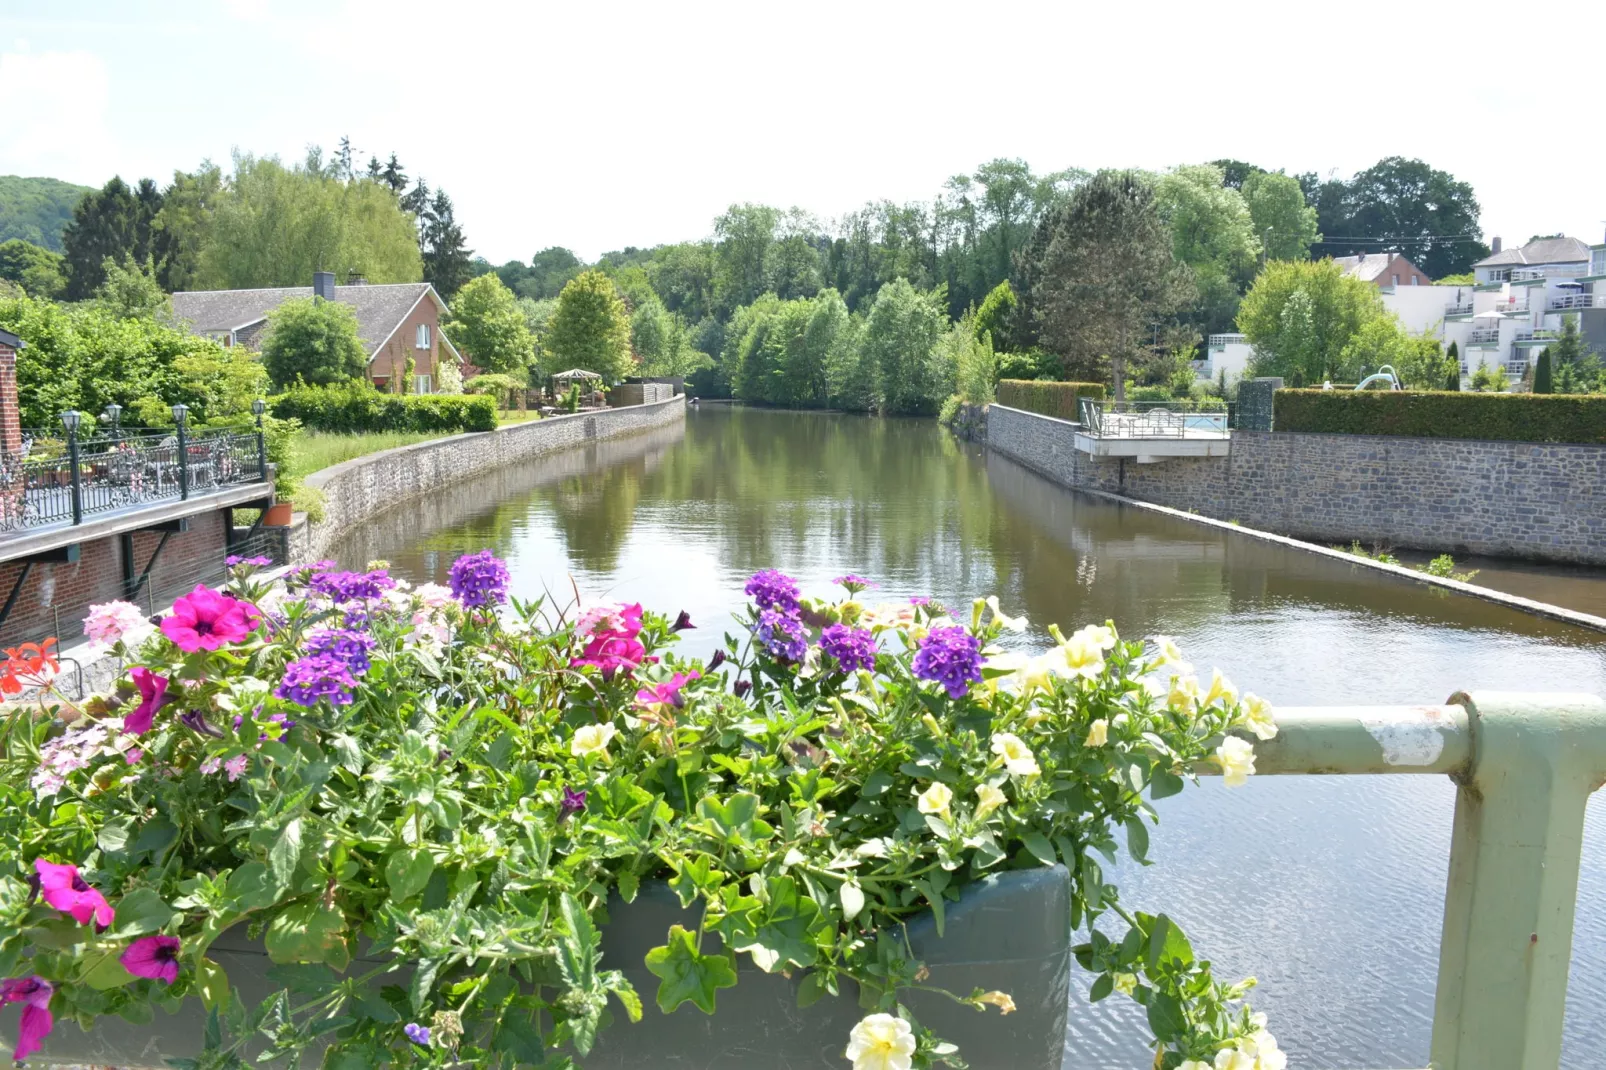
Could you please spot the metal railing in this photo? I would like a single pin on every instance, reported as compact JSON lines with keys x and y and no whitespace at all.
{"x":1149,"y":419}
{"x":1529,"y":335}
{"x":1483,"y":334}
{"x":1576,"y":301}
{"x":1530,"y":274}
{"x":1516,"y":368}
{"x":1458,"y":308}
{"x":60,"y":479}
{"x":1221,"y":341}
{"x":1524,"y":768}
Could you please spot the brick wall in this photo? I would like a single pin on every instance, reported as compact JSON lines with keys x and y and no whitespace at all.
{"x":10,"y":407}
{"x":55,"y":597}
{"x":1508,"y":499}
{"x":391,"y":360}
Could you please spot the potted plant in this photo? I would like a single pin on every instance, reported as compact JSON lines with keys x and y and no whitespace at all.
{"x":466,"y":830}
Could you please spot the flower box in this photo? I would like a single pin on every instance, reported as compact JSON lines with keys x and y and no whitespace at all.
{"x":1009,"y":932}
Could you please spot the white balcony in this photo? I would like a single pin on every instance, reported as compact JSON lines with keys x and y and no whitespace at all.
{"x":1454,"y":309}
{"x":1483,"y":334}
{"x":1570,"y":301}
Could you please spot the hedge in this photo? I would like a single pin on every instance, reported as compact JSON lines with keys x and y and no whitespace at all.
{"x":1442,"y":414}
{"x":359,"y":408}
{"x":1047,"y":398}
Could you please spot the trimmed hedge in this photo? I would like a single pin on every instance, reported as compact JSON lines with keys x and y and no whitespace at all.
{"x":359,"y":409}
{"x":1046,"y":397}
{"x":1442,"y":414}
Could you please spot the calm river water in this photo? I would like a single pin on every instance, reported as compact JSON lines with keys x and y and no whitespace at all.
{"x":1329,"y":890}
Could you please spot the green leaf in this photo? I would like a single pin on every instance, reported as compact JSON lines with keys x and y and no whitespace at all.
{"x":286,"y":852}
{"x":423,"y":982}
{"x":1166,"y":1017}
{"x":1163,"y":784}
{"x":408,"y":872}
{"x":578,"y":946}
{"x":733,"y":818}
{"x":1168,"y":946}
{"x":780,"y":930}
{"x":1137,"y":839}
{"x":686,"y":974}
{"x":934,"y":897}
{"x":625,"y":993}
{"x":102,"y":970}
{"x":1092,"y":883}
{"x":113,"y":836}
{"x":1038,"y":844}
{"x":308,"y":932}
{"x":517,"y":1036}
{"x":141,"y":911}
{"x":629,"y":885}
{"x":214,"y":984}
{"x":812,"y":990}
{"x":252,"y":887}
{"x":1103,"y":986}
{"x":154,"y":835}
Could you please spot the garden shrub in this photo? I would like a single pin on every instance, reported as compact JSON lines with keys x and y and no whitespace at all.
{"x":1047,"y":398}
{"x":1442,"y":414}
{"x":357,"y":408}
{"x":456,"y":784}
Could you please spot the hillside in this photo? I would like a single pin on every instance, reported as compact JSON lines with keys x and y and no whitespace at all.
{"x":36,"y":209}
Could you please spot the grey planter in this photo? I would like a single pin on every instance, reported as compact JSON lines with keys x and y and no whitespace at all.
{"x":1010,"y":932}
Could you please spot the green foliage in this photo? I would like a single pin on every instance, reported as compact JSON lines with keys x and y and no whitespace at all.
{"x":357,"y":408}
{"x":1059,"y":400}
{"x":1417,"y":360}
{"x":499,"y":386}
{"x":278,"y":224}
{"x":1440,"y":414}
{"x":783,"y":351}
{"x":1465,"y":278}
{"x":487,"y":323}
{"x":1396,"y":196}
{"x":900,"y":341}
{"x":1575,"y":369}
{"x":1302,"y":316}
{"x":571,"y":399}
{"x":969,"y":351}
{"x":131,"y":291}
{"x":1283,"y":222}
{"x":111,"y":223}
{"x":313,"y":341}
{"x":589,"y":329}
{"x":443,"y":250}
{"x":661,"y":341}
{"x":996,"y":316}
{"x":37,"y":210}
{"x":1490,"y":380}
{"x":1543,"y":382}
{"x":424,"y":820}
{"x":39,"y":271}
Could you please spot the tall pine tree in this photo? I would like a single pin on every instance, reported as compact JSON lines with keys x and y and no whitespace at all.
{"x":113,"y":222}
{"x":447,"y":258}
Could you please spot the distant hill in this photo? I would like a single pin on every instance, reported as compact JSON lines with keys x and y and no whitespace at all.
{"x":36,"y":209}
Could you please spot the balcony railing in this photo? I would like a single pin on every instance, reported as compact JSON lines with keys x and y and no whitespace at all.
{"x":1458,"y":308}
{"x":56,"y":481}
{"x":1566,"y":301}
{"x":1149,"y":419}
{"x":1524,"y":767}
{"x":1221,"y":341}
{"x":1483,"y":334}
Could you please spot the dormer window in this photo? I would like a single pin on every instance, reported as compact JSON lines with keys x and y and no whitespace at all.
{"x":422,"y":340}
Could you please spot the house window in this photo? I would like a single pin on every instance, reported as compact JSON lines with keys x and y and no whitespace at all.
{"x":1416,"y":280}
{"x":1396,"y":278}
{"x":422,"y":341}
{"x":423,"y":384}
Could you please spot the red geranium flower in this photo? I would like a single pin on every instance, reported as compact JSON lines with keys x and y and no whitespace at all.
{"x":29,"y":665}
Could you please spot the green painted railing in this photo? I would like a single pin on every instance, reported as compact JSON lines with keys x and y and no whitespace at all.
{"x":1524,"y":767}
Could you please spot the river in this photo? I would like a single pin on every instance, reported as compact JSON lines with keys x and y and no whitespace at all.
{"x":1329,"y":890}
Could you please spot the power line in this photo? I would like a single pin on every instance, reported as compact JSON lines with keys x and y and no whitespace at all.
{"x":1329,"y":240}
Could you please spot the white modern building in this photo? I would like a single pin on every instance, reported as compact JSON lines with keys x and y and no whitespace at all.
{"x":1227,"y":353}
{"x":1520,"y":297}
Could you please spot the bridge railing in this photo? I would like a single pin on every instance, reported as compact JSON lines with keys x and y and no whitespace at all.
{"x":1524,"y":766}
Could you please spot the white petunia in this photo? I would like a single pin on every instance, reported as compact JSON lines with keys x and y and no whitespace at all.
{"x":935,"y":800}
{"x":1018,"y":757}
{"x":1237,"y":760}
{"x":591,"y":739}
{"x":1082,"y":656}
{"x":988,"y":799}
{"x":1014,"y":624}
{"x":1098,"y":733}
{"x":1258,"y":717}
{"x":1219,"y":689}
{"x":881,"y":1042}
{"x":1100,"y":635}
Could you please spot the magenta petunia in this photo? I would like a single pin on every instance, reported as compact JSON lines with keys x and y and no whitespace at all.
{"x":155,"y":957}
{"x":152,"y":690}
{"x":206,"y":619}
{"x":34,"y":994}
{"x":666,"y":693}
{"x":612,"y":653}
{"x":65,"y":890}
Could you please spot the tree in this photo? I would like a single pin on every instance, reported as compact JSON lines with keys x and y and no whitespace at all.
{"x":1104,"y":272}
{"x":590,"y":329}
{"x":1284,"y":223}
{"x":1418,"y":361}
{"x":683,"y":277}
{"x":183,"y":226}
{"x":391,"y":174}
{"x":995,"y":319}
{"x":1234,"y":173}
{"x":40,"y":272}
{"x":1543,"y":383}
{"x":742,"y":236}
{"x":314,"y":341}
{"x":275,"y":225}
{"x":1213,"y":234}
{"x":1452,"y":380}
{"x":900,"y":337}
{"x":445,"y":254}
{"x":131,"y":291}
{"x":488,"y":324}
{"x":552,"y":268}
{"x":1574,"y":369}
{"x":114,"y":222}
{"x":1300,"y":316}
{"x":1425,"y":214}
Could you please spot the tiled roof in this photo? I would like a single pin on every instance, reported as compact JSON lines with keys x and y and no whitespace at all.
{"x":380,"y":308}
{"x":1542,"y":251}
{"x":1367,"y":267}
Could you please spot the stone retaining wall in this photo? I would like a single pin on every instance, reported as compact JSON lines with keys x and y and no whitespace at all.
{"x":1543,"y":501}
{"x":360,"y":489}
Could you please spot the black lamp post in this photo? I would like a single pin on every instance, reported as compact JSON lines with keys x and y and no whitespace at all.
{"x":181,"y":413}
{"x":260,"y":407}
{"x":114,"y":419}
{"x":70,"y":420}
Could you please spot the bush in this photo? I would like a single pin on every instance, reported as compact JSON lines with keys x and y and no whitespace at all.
{"x":357,"y":408}
{"x":312,"y":340}
{"x":1047,"y":398}
{"x":1441,"y":414}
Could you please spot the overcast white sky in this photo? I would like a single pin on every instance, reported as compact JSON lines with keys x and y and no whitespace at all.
{"x":600,"y":125}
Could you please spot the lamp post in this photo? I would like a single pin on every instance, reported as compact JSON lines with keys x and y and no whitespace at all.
{"x":181,"y":414}
{"x":70,"y":421}
{"x":114,"y":416}
{"x":260,"y":407}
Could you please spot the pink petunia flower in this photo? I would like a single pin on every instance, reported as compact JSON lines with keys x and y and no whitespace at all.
{"x":152,"y":690}
{"x":111,"y":622}
{"x":206,"y":619}
{"x":155,"y":957}
{"x":65,"y":890}
{"x":666,"y":693}
{"x":34,"y":994}
{"x":609,"y":618}
{"x":611,"y":654}
{"x":235,"y":767}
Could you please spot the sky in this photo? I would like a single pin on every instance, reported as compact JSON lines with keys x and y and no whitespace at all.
{"x":598,"y":126}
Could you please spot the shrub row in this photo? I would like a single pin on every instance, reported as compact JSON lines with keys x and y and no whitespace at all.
{"x":1434,"y":414}
{"x":1047,"y":398}
{"x":359,"y":408}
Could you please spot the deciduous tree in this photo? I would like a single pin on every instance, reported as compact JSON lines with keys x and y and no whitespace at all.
{"x":590,"y":329}
{"x":487,"y":323}
{"x":1284,"y":223}
{"x":1300,"y":316}
{"x":1427,"y":214}
{"x":313,"y":341}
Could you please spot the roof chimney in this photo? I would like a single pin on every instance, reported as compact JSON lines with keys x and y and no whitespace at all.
{"x":323,"y":285}
{"x":1494,"y":245}
{"x":356,"y":278}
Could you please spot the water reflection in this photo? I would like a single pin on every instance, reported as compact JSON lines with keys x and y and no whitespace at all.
{"x":1329,"y":890}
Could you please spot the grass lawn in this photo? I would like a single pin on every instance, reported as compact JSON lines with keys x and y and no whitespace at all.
{"x":514,"y":416}
{"x":313,"y":451}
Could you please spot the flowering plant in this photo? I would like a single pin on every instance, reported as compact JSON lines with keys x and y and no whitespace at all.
{"x":460,"y":782}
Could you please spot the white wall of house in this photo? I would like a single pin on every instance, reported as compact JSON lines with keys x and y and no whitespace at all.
{"x":1419,"y":308}
{"x":1226,"y":352}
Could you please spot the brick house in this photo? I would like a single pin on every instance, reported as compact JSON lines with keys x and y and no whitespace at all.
{"x":1383,"y":270}
{"x":394,"y":321}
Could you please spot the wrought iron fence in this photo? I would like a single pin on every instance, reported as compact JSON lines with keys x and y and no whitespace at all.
{"x":1150,"y":419}
{"x":61,"y":479}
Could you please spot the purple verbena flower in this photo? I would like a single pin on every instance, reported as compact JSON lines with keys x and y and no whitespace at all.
{"x":853,"y":648}
{"x":773,"y":589}
{"x":235,"y":561}
{"x":919,"y":600}
{"x":950,"y":656}
{"x":782,"y":635}
{"x":347,"y":644}
{"x":418,"y":1034}
{"x":318,"y":676}
{"x":478,"y":580}
{"x":572,"y":803}
{"x":342,"y":587}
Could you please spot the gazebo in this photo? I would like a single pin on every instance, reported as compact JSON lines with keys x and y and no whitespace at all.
{"x":587,"y":380}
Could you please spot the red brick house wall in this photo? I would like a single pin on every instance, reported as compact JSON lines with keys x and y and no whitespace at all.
{"x":391,"y":358}
{"x":1406,"y":271}
{"x":10,"y":406}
